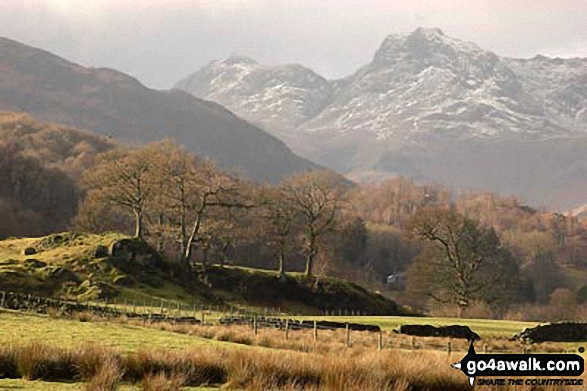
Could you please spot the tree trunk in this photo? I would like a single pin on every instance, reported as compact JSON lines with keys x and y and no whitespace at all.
{"x":190,"y":242}
{"x":183,"y":230}
{"x":309,"y":265}
{"x":311,"y":255}
{"x":138,"y":224}
{"x":281,"y":260}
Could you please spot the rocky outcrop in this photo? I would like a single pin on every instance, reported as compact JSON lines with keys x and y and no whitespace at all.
{"x":555,"y":332}
{"x":453,"y":331}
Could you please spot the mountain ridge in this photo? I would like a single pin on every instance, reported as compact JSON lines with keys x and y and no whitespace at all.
{"x":112,"y":103}
{"x":426,"y":94}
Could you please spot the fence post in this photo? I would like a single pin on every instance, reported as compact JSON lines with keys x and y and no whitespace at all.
{"x":255,"y":325}
{"x":3,"y":298}
{"x":380,"y":342}
{"x":413,"y":343}
{"x":203,"y":317}
{"x":485,"y":348}
{"x":286,"y":328}
{"x":449,"y":347}
{"x":348,"y":336}
{"x":315,"y":331}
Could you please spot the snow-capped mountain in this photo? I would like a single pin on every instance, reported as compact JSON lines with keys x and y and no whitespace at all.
{"x":427,"y":106}
{"x":280,"y":97}
{"x":426,"y":84}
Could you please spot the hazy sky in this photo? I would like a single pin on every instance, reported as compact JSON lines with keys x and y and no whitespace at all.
{"x":161,"y":41}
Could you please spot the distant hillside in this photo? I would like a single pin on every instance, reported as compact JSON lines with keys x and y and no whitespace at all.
{"x":54,"y":145}
{"x":80,"y":266}
{"x":114,"y":104}
{"x":430,"y":107}
{"x":39,"y":166}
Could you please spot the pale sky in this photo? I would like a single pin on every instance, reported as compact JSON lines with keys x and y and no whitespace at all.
{"x":162,"y":41}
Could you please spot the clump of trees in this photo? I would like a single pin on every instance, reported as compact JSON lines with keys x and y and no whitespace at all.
{"x":182,"y":203}
{"x":34,"y":199}
{"x":469,"y":250}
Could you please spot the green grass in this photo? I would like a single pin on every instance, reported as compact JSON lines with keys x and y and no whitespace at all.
{"x":94,"y":278}
{"x":75,"y":252}
{"x":22,"y":328}
{"x":21,"y":384}
{"x":484,"y":327}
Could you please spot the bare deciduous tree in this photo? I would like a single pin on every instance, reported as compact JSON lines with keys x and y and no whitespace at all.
{"x":125,"y":179}
{"x":319,"y":197}
{"x":463,"y":261}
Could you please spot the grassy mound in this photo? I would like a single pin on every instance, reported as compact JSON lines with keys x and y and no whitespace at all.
{"x":91,"y":267}
{"x":295,"y":292}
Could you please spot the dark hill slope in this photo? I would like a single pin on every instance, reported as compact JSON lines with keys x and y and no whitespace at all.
{"x":113,"y":266}
{"x":112,"y":103}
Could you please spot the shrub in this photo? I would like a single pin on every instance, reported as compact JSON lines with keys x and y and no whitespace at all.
{"x":107,"y":377}
{"x":8,"y":364}
{"x":37,"y":361}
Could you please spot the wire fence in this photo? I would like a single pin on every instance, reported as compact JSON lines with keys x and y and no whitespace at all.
{"x":259,"y":321}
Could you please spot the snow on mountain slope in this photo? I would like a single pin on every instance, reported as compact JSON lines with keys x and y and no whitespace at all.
{"x":427,"y":106}
{"x":282,"y":96}
{"x":427,"y":84}
{"x":418,"y":84}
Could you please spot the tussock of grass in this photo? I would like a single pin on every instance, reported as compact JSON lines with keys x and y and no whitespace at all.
{"x":108,"y":375}
{"x":244,"y":369}
{"x":163,"y":382}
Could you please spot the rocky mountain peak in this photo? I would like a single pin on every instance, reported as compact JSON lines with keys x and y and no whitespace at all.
{"x":422,"y":89}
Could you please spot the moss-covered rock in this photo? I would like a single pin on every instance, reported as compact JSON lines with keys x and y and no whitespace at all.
{"x":61,"y":274}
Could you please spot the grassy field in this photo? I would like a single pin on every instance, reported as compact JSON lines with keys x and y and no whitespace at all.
{"x":484,"y":327}
{"x":16,"y":327}
{"x":37,"y":385}
{"x":271,"y":358}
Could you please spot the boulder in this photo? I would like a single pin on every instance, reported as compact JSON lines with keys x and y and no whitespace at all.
{"x":554,"y":332}
{"x":53,"y":241}
{"x":34,"y":263}
{"x":452,"y":331}
{"x":100,"y":251}
{"x":61,"y":274}
{"x":30,"y":251}
{"x":135,"y":257}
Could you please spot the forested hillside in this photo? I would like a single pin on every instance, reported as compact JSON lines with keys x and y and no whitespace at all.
{"x":40,"y":165}
{"x":56,"y":178}
{"x":114,"y":104}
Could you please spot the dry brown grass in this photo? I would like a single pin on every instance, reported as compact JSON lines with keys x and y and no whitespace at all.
{"x":238,"y":368}
{"x":330,"y":341}
{"x":249,"y":369}
{"x":107,"y":377}
{"x":163,"y":382}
